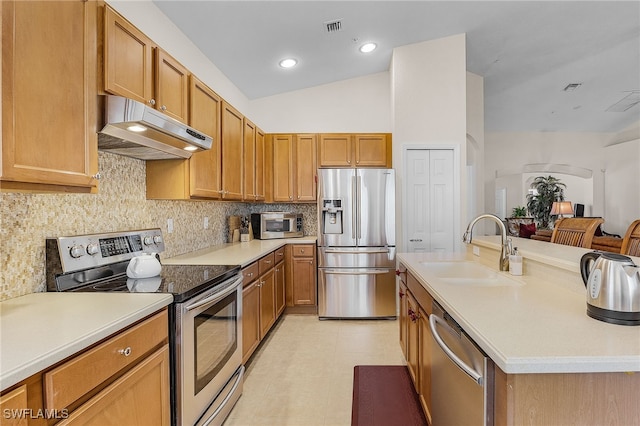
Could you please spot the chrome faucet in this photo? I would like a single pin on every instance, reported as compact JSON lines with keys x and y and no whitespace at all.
{"x":506,"y":242}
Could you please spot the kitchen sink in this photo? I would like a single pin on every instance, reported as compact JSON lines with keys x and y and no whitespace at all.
{"x":468,"y":273}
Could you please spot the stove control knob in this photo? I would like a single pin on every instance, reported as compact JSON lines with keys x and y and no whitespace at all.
{"x":92,"y":249}
{"x":76,"y":251}
{"x":157,"y":239}
{"x":148,"y":241}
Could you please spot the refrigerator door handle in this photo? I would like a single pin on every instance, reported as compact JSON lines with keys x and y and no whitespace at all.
{"x":359,"y":191}
{"x":338,"y":251}
{"x":354,"y":212}
{"x":355,"y":271}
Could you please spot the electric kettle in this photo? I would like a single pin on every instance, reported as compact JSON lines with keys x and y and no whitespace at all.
{"x":613,"y":287}
{"x":144,"y":266}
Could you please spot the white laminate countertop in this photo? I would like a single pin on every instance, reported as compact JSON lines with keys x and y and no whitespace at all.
{"x":235,"y":253}
{"x":538,"y":327}
{"x":39,"y":329}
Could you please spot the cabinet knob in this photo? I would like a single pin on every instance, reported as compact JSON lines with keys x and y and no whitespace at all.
{"x":348,"y":161}
{"x":97,"y":176}
{"x":268,"y":262}
{"x":152,"y":102}
{"x":301,"y":250}
{"x":163,"y":108}
{"x":126,"y":351}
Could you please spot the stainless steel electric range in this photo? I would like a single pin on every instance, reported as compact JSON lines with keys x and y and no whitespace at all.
{"x":205,"y":318}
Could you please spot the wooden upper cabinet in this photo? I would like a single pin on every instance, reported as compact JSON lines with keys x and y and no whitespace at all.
{"x":354,"y":150}
{"x":372,"y":150}
{"x":49,"y":112}
{"x":128,"y":59}
{"x":306,"y":165}
{"x":282,"y":167}
{"x":134,"y":67}
{"x":198,"y":177}
{"x":335,"y":150}
{"x":249,"y":160}
{"x":260,"y":165}
{"x":204,"y":115}
{"x":172,"y":87}
{"x":232,"y":142}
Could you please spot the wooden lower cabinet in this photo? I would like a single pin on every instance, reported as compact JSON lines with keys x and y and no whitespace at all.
{"x":11,"y":404}
{"x":250,"y":319}
{"x":301,"y":289}
{"x":267,"y":287}
{"x":413,"y":340}
{"x":403,"y":316}
{"x":424,"y":362}
{"x":280,"y":287}
{"x":140,"y":397}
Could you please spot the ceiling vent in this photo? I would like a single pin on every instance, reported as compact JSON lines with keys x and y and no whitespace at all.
{"x":333,"y":26}
{"x":629,"y":101}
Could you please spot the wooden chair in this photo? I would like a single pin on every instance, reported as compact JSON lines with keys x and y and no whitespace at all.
{"x":631,"y":240}
{"x":575,"y":231}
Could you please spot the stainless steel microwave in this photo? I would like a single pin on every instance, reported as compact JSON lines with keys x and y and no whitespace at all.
{"x":271,"y":225}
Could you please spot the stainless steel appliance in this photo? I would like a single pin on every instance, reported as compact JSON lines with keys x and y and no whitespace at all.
{"x":462,"y":376}
{"x":270,"y":225}
{"x":136,"y":130}
{"x":356,"y":243}
{"x":613,"y":287}
{"x":205,"y":330}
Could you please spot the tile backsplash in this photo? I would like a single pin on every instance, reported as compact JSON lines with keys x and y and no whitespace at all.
{"x":26,"y":220}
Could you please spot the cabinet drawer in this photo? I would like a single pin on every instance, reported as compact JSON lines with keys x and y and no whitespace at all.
{"x":303,"y":250}
{"x":78,"y":376}
{"x":422,"y":296}
{"x":250,"y":274}
{"x":279,"y":254}
{"x":266,"y":263}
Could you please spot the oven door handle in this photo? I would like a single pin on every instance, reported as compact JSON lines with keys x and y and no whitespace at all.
{"x":216,"y":296}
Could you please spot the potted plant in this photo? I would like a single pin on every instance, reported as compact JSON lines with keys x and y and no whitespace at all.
{"x":518,"y":216}
{"x":547,"y":189}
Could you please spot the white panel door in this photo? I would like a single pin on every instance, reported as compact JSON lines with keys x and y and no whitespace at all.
{"x":429,"y":218}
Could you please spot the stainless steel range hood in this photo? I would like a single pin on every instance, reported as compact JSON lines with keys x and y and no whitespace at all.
{"x":133,"y":129}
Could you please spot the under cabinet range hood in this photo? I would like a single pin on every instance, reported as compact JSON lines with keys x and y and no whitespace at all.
{"x":136,"y":130}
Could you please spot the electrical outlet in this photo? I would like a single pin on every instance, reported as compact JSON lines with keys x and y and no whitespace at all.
{"x":206,"y":222}
{"x":476,"y":251}
{"x":169,"y":226}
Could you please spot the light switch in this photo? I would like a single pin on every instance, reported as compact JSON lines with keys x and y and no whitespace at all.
{"x":169,"y":226}
{"x":206,"y":222}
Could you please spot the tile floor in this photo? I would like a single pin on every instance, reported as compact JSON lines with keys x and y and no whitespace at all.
{"x":302,"y":373}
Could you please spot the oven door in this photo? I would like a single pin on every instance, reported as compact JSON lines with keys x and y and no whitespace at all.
{"x":208,"y":353}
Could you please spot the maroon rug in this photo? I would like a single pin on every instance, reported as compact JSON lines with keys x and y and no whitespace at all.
{"x":383,"y":395}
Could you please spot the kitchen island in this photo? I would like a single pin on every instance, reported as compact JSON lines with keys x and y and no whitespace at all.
{"x":554,"y":364}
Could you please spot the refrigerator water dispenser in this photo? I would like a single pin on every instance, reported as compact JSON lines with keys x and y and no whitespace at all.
{"x":332,"y":216}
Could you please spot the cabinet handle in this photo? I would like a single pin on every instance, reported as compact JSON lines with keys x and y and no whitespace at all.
{"x":401,"y":294}
{"x":152,"y":102}
{"x":413,"y":315}
{"x":280,"y":254}
{"x":126,"y":351}
{"x":250,"y":274}
{"x":310,"y":262}
{"x":268,"y":262}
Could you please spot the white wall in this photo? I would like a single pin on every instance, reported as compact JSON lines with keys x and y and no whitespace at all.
{"x":429,"y":98}
{"x":475,"y":145}
{"x":508,"y":153}
{"x":360,"y":104}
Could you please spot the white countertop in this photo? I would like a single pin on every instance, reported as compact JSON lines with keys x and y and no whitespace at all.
{"x":235,"y":253}
{"x":538,"y":327}
{"x":39,"y":329}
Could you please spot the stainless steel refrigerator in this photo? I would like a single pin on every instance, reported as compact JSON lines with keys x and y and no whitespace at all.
{"x":356,"y":243}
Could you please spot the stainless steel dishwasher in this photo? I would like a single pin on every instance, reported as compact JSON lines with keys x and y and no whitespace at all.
{"x":462,"y":376}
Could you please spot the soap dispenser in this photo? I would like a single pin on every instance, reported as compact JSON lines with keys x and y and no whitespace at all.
{"x":515,"y":262}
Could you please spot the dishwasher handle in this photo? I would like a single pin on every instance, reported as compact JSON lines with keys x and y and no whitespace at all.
{"x":433,"y":319}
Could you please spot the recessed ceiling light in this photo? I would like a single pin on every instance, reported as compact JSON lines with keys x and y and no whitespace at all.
{"x":368,"y":47}
{"x":288,"y":63}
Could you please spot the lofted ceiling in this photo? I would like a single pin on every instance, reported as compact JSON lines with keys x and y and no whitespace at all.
{"x":527,"y":52}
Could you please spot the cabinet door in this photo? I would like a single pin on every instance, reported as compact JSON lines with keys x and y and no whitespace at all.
{"x":424,"y":361}
{"x":282,"y":168}
{"x":14,"y":401}
{"x":267,"y":302}
{"x":204,"y":115}
{"x":280,"y":287}
{"x":250,"y":320}
{"x":249,"y":161}
{"x":49,"y":108}
{"x":371,"y":150}
{"x":146,"y":385}
{"x":260,"y":165}
{"x":232,"y":126}
{"x":403,"y":317}
{"x":335,"y":150}
{"x":172,"y":86}
{"x":128,"y":66}
{"x":413,"y":340}
{"x":306,"y":167}
{"x":304,"y":281}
